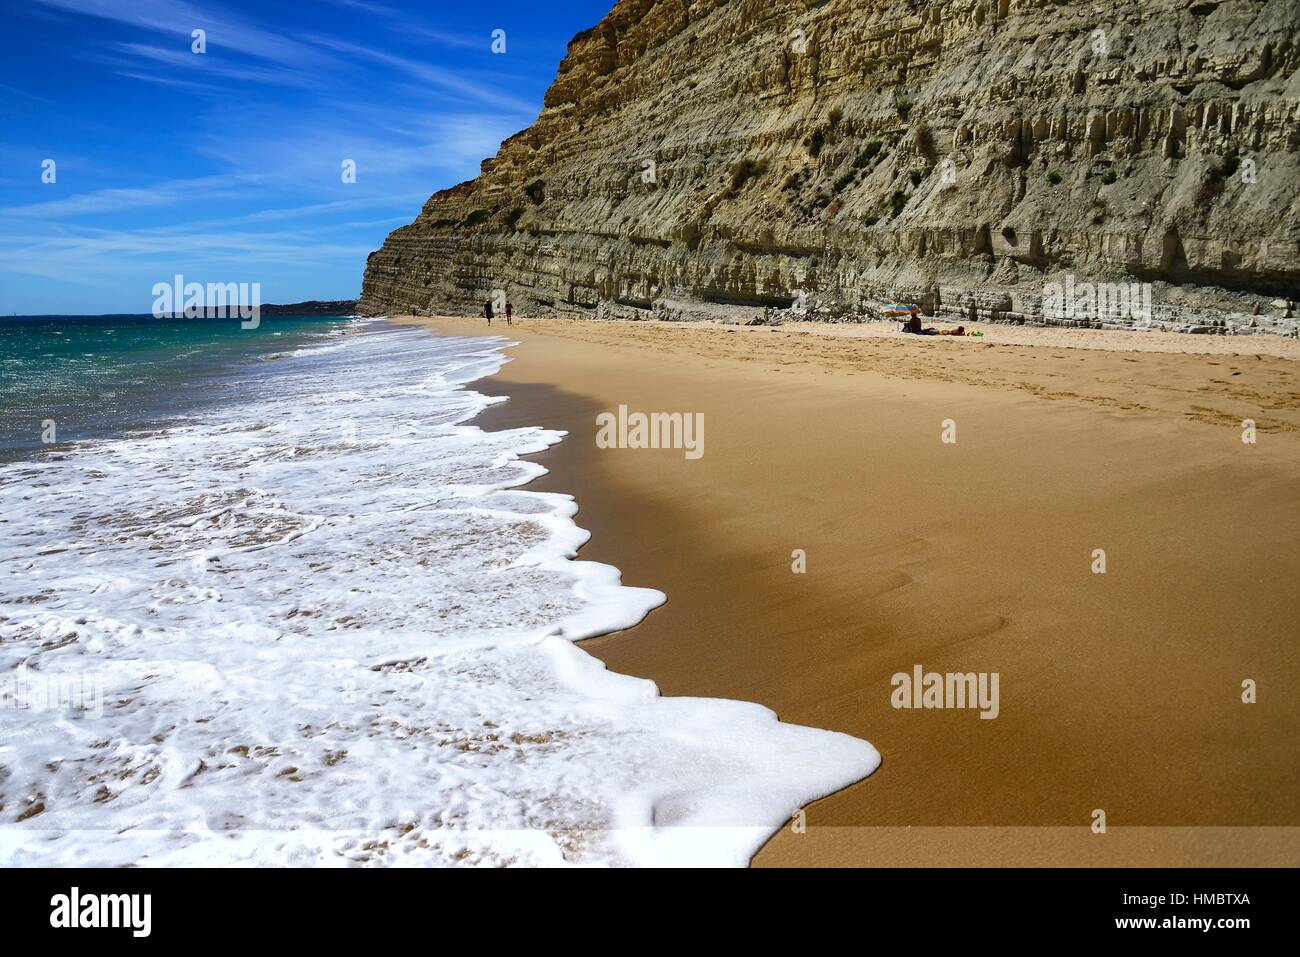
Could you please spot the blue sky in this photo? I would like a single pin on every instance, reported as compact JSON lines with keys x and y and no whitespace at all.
{"x":226,"y":166}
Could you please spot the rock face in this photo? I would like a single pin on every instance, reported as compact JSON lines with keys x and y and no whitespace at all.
{"x":819,"y":158}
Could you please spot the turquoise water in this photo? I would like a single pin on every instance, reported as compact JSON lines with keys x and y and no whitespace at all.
{"x":97,"y":376}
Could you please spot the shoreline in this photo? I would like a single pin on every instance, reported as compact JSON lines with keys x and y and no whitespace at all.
{"x":978,"y":563}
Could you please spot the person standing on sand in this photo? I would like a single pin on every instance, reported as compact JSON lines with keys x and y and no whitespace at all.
{"x":510,"y":312}
{"x":487,"y":311}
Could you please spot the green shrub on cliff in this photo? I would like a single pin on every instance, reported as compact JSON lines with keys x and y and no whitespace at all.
{"x":868,"y":154}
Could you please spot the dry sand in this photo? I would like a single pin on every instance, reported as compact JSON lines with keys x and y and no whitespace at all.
{"x":1119,"y":692}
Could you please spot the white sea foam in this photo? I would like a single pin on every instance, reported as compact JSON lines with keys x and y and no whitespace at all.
{"x":329,"y":629}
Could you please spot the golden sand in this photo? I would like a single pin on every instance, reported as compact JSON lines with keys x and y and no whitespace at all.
{"x":1119,"y":692}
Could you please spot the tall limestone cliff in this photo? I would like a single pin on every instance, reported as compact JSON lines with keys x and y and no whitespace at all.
{"x":823,"y":157}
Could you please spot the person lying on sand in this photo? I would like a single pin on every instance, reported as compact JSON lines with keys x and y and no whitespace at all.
{"x":911,"y":318}
{"x":913,"y":325}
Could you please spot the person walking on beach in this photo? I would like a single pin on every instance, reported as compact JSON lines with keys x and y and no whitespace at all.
{"x":487,"y":311}
{"x":510,"y":312}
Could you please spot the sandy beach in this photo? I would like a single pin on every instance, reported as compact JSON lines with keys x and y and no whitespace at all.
{"x":1120,"y":691}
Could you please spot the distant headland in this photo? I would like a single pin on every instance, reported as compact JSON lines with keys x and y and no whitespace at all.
{"x":313,"y":307}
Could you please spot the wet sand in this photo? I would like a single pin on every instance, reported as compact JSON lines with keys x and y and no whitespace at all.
{"x":1119,"y":692}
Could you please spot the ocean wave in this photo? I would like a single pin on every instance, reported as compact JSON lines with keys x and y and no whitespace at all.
{"x":323,"y":625}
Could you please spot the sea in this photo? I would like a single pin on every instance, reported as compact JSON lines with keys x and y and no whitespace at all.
{"x":269,"y":597}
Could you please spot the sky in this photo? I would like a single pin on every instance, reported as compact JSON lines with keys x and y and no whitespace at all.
{"x":228,"y":165}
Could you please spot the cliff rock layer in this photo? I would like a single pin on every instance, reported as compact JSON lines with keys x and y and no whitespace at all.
{"x":822,"y":157}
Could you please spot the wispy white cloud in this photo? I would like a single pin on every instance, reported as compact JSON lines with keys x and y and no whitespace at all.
{"x":366,"y":5}
{"x":250,"y":186}
{"x":169,"y":81}
{"x":464,"y":41}
{"x":450,"y":81}
{"x":216,"y":66}
{"x":317,"y":209}
{"x":179,"y":19}
{"x":397,"y":149}
{"x":101,"y":253}
{"x":400,"y":21}
{"x":17,"y":92}
{"x":300,"y":157}
{"x":169,"y":193}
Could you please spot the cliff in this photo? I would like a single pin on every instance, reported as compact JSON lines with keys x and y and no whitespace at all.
{"x":820,"y":158}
